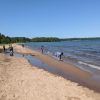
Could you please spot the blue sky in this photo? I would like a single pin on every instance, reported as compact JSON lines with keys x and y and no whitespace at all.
{"x":50,"y":18}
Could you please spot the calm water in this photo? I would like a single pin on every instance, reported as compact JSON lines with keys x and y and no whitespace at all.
{"x":84,"y":54}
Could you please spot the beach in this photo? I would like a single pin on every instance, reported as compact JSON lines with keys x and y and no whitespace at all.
{"x":19,"y":80}
{"x":66,"y":70}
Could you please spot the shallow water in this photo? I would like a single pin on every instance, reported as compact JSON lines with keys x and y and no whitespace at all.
{"x":41,"y":65}
{"x":83,"y":54}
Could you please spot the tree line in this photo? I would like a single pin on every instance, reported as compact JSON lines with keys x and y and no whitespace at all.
{"x":73,"y":39}
{"x":7,"y":39}
{"x":45,"y":39}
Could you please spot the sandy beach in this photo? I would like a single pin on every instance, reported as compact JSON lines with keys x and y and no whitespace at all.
{"x":19,"y":80}
{"x":70,"y":72}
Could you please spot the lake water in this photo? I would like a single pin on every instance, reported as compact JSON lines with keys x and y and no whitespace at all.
{"x":84,"y":54}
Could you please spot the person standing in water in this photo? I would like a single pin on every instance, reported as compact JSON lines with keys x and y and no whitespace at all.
{"x":23,"y":45}
{"x":4,"y":49}
{"x":11,"y":51}
{"x":60,"y":56}
{"x":42,"y":49}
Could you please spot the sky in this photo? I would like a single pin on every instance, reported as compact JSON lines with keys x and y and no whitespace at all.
{"x":50,"y":18}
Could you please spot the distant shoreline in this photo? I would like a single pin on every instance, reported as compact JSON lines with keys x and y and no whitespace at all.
{"x":7,"y":39}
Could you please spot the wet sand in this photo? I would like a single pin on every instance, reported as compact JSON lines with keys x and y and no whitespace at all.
{"x":19,"y":80}
{"x":68,"y":71}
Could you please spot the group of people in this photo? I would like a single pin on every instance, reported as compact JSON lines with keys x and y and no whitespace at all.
{"x":10,"y":49}
{"x":57,"y":54}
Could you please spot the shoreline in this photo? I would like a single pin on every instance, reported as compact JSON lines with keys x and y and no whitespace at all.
{"x":69,"y":71}
{"x":19,"y":80}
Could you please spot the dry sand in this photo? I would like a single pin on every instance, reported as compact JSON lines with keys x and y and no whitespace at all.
{"x":21,"y":81}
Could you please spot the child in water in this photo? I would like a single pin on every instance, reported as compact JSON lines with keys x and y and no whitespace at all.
{"x":11,"y":51}
{"x":60,"y":56}
{"x":42,"y":49}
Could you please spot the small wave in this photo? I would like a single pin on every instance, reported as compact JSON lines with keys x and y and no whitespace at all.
{"x":90,"y":65}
